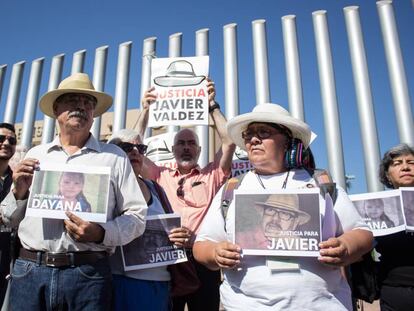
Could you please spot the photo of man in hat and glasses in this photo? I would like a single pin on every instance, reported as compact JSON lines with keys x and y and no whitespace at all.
{"x":277,"y":222}
{"x":63,"y":264}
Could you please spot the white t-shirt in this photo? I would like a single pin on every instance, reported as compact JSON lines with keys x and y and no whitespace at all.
{"x":253,"y":286}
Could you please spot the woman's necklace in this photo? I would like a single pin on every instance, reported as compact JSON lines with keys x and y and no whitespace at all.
{"x":284,"y":182}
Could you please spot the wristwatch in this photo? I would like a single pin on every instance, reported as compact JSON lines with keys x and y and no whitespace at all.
{"x":213,"y":107}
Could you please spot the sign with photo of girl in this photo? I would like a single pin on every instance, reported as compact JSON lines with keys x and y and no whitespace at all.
{"x":80,"y":189}
{"x":381,"y":211}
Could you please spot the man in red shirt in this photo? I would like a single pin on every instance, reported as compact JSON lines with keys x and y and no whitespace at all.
{"x":190,"y":190}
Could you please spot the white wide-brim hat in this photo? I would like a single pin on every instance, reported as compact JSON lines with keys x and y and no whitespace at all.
{"x":268,"y":113}
{"x":76,"y":83}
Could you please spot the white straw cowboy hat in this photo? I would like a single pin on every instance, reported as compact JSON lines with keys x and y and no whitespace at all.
{"x":179,"y":73}
{"x":76,"y":83}
{"x":285,"y":202}
{"x":269,"y":113}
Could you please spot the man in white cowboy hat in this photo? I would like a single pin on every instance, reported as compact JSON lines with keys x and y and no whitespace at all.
{"x":190,"y":189}
{"x":63,"y":264}
{"x":269,"y":134}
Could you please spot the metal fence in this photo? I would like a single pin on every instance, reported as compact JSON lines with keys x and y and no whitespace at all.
{"x":332,"y":126}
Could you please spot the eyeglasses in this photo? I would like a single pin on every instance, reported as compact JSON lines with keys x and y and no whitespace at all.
{"x":270,"y":211}
{"x":75,"y":97}
{"x":180,"y":189}
{"x":262,"y":133}
{"x":12,"y":140}
{"x":128,"y":147}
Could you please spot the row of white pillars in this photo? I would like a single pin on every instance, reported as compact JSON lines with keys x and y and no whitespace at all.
{"x":366,"y":113}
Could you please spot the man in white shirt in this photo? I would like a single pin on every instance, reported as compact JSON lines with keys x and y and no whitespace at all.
{"x":63,"y":264}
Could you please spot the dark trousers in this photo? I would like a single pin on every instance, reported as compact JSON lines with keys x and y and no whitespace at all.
{"x":397,"y":298}
{"x":4,"y":263}
{"x":207,"y":297}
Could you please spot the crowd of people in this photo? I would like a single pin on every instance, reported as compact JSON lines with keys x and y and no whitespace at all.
{"x":74,"y":264}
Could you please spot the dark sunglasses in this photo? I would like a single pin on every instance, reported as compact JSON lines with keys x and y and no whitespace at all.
{"x":127,"y":147}
{"x":12,"y":140}
{"x":264,"y":133}
{"x":180,"y":189}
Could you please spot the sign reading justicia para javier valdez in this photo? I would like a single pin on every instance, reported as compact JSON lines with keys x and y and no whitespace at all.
{"x":181,"y":88}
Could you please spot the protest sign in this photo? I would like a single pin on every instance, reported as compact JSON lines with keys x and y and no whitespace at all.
{"x":57,"y":188}
{"x":407,"y":201}
{"x":240,"y":163}
{"x":278,"y":223}
{"x":160,"y":150}
{"x":181,"y":87}
{"x":153,"y":248}
{"x":381,"y":211}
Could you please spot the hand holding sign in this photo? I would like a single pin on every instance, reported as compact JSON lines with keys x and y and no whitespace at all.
{"x":180,"y":236}
{"x":227,"y":255}
{"x":83,"y":231}
{"x":23,"y":176}
{"x":149,"y":98}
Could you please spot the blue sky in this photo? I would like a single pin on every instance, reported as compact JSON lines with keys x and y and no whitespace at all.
{"x":32,"y":29}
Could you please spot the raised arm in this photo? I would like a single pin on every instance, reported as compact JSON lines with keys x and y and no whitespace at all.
{"x":142,"y":123}
{"x":227,"y":147}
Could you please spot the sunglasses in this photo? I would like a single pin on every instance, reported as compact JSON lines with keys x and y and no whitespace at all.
{"x":180,"y":189}
{"x":128,"y":147}
{"x":264,"y":132}
{"x":12,"y":140}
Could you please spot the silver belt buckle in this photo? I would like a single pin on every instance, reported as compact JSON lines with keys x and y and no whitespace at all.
{"x":55,"y":259}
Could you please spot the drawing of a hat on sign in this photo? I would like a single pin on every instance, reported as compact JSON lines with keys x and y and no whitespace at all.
{"x":179,"y":73}
{"x":159,"y":149}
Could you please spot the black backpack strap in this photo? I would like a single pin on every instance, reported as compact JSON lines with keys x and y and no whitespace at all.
{"x":325,"y":183}
{"x":228,"y":194}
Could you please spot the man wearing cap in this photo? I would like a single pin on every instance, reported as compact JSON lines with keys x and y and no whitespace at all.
{"x":269,"y":135}
{"x":190,"y":189}
{"x":63,"y":264}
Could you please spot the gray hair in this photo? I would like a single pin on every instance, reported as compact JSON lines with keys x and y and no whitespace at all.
{"x":389,"y":156}
{"x":124,"y":135}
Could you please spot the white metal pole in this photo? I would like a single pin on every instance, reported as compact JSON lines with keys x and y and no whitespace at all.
{"x":54,"y":80}
{"x":148,"y":53}
{"x":329,"y":100}
{"x":121,"y":89}
{"x":396,"y":72}
{"x":78,"y":61}
{"x":202,"y":131}
{"x":99,"y":70}
{"x":31,"y":102}
{"x":174,"y":50}
{"x":14,"y":92}
{"x":364,"y":98}
{"x":292,"y":63}
{"x":261,"y":69}
{"x":231,"y":75}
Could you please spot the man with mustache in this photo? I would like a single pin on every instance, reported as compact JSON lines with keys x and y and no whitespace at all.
{"x":190,"y":189}
{"x":7,"y":150}
{"x":280,"y":214}
{"x":63,"y":264}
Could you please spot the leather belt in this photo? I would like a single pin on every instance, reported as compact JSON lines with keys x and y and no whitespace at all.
{"x":59,"y":260}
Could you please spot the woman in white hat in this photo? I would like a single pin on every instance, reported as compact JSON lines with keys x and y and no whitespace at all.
{"x":274,"y":142}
